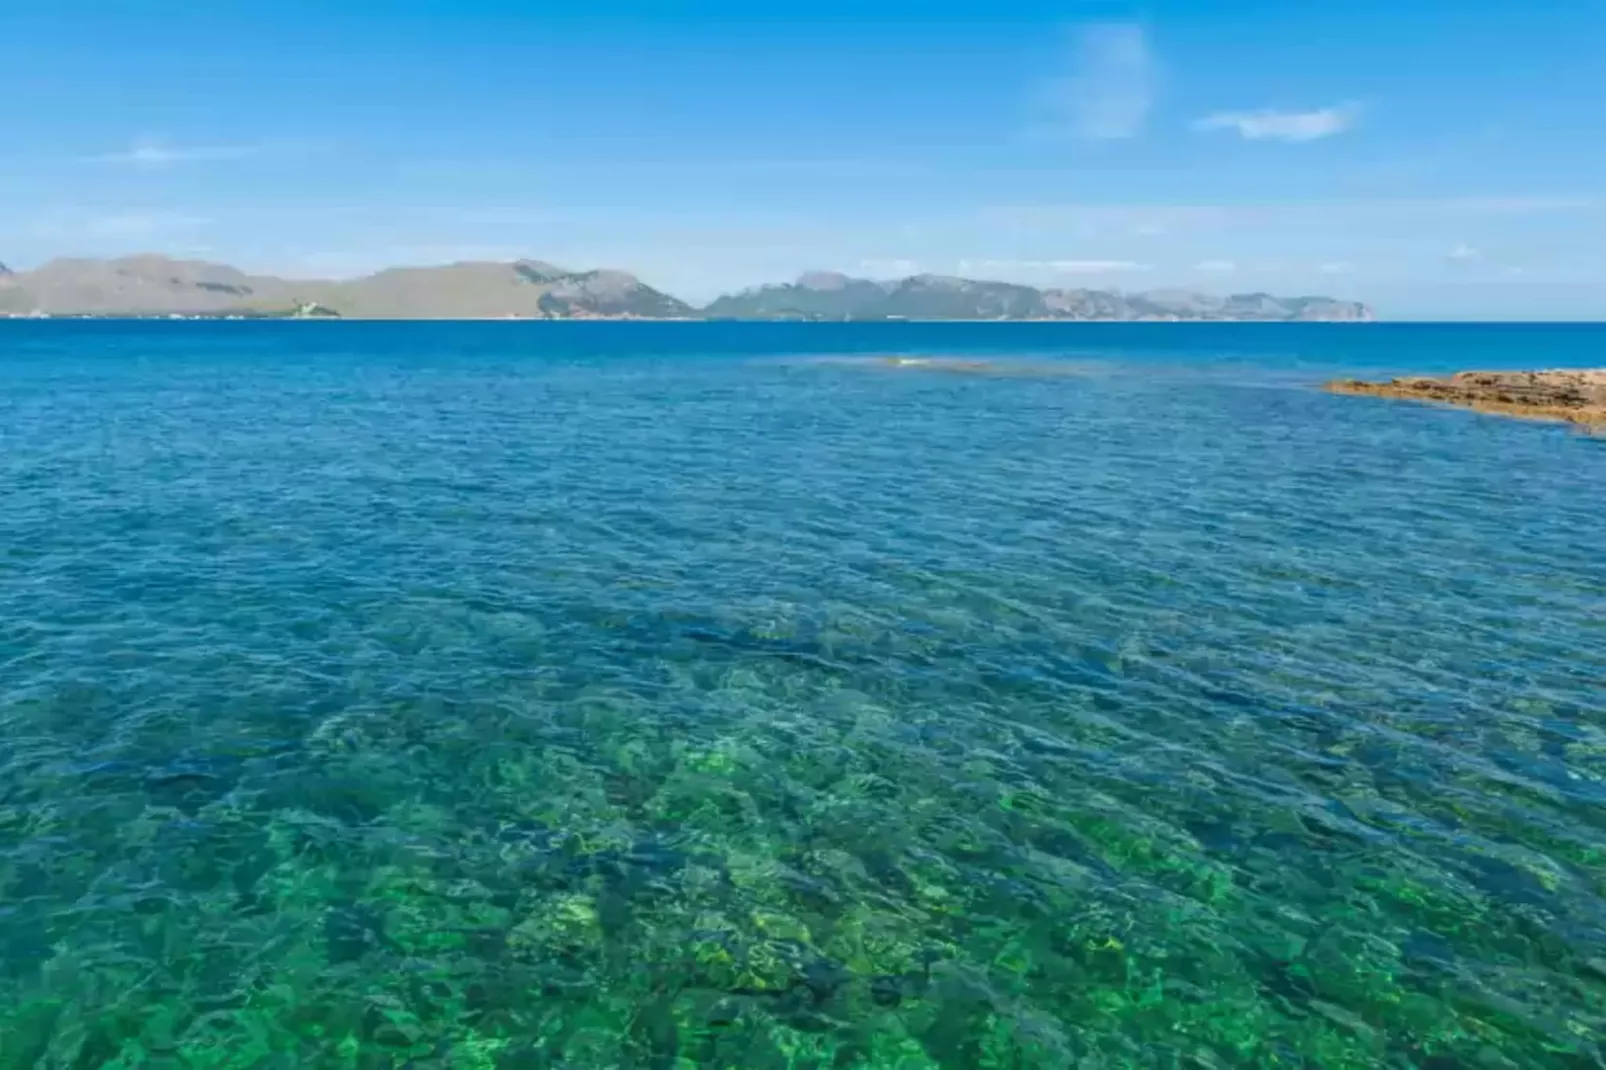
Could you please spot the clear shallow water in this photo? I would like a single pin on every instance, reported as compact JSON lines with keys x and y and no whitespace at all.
{"x":659,"y":696}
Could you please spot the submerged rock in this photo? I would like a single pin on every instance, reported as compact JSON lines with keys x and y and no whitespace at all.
{"x":1576,"y":396}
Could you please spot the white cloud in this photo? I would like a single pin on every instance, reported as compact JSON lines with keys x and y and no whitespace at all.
{"x":155,"y":154}
{"x":1216,"y":267}
{"x":1462,"y":252}
{"x":1267,"y":124}
{"x":1061,"y":267}
{"x":1094,"y":267}
{"x":1337,"y":267}
{"x":1112,"y":85}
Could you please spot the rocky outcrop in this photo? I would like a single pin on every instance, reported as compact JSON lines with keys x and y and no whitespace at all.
{"x":1576,"y":396}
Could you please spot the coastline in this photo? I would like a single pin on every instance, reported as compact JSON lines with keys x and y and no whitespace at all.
{"x":213,"y":317}
{"x":1575,"y":396}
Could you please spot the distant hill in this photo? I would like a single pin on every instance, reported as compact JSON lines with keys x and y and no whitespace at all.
{"x":12,"y":297}
{"x":530,"y":289}
{"x":527,"y":290}
{"x":820,"y":295}
{"x":940,"y":297}
{"x":147,"y":285}
{"x":155,"y":286}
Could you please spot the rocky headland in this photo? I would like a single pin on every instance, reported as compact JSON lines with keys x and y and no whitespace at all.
{"x":1575,"y":396}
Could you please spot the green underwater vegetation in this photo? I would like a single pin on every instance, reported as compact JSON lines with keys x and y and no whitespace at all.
{"x":362,"y":712}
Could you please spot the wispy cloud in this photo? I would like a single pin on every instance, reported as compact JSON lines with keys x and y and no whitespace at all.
{"x":1461,"y":252}
{"x":1111,"y":86}
{"x":156,"y":154}
{"x":1216,"y":267}
{"x":1336,"y":267}
{"x":142,"y":224}
{"x":1091,"y":221}
{"x":1094,"y":267}
{"x":1516,"y":205}
{"x":1267,"y":124}
{"x":1061,"y":267}
{"x":76,"y":224}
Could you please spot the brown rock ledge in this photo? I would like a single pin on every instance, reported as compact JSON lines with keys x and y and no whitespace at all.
{"x":1576,"y":396}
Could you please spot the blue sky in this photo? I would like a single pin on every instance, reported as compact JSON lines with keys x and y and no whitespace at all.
{"x":1436,"y":158}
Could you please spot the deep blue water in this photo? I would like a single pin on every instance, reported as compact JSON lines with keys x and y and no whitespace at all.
{"x":664,"y":695}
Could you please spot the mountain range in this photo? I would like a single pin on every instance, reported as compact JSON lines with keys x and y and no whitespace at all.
{"x":530,"y":289}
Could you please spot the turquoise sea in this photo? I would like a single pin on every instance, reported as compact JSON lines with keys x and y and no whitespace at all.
{"x":697,"y":695}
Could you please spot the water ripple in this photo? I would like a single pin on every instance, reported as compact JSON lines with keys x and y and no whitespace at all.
{"x":383,"y":698}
